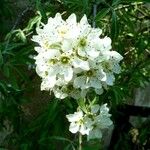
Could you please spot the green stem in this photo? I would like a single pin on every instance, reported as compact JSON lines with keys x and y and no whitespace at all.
{"x":80,"y":141}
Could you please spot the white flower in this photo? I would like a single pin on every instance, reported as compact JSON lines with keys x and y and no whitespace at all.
{"x":91,"y":122}
{"x":96,"y":133}
{"x":48,"y":83}
{"x":72,"y":53}
{"x":63,"y":91}
{"x":77,"y":123}
{"x":79,"y":63}
{"x":101,"y":120}
{"x":91,"y":78}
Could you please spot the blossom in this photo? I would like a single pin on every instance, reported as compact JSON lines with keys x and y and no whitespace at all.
{"x":101,"y":120}
{"x":72,"y":54}
{"x":77,"y":123}
{"x":92,"y":122}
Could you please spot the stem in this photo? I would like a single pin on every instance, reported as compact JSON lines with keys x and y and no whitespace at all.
{"x":94,"y":14}
{"x":80,"y":141}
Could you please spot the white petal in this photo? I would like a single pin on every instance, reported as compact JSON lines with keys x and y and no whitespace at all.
{"x":88,"y":122}
{"x":104,"y":108}
{"x":95,"y":33}
{"x":67,"y":47}
{"x":78,"y":63}
{"x":71,"y":19}
{"x":36,"y":38}
{"x":104,"y":44}
{"x":107,"y":43}
{"x":84,"y":20}
{"x":68,"y":74}
{"x":81,"y":52}
{"x":110,"y":78}
{"x":95,"y":133}
{"x":48,"y":83}
{"x":74,"y":128}
{"x":84,"y":130}
{"x":93,"y":53}
{"x":51,"y":54}
{"x":95,"y":108}
{"x":58,"y":16}
{"x":103,"y":122}
{"x":59,"y":93}
{"x":38,"y":49}
{"x":99,"y":91}
{"x":75,"y":117}
{"x":115,"y":56}
{"x":52,"y":71}
{"x":98,"y":134}
{"x":116,"y":68}
{"x":102,"y":75}
{"x":51,"y":81}
{"x":95,"y":83}
{"x":79,"y":82}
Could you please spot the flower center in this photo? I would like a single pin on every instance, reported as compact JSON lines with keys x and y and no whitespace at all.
{"x":68,"y":88}
{"x":82,"y":42}
{"x":52,"y":61}
{"x":64,"y":60}
{"x":62,"y":31}
{"x":107,"y":66}
{"x":90,"y":73}
{"x":46,"y":44}
{"x":46,"y":73}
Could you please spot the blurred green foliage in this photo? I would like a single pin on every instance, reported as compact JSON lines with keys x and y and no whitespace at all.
{"x":125,"y":21}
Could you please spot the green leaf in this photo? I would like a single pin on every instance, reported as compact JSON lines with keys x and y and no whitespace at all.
{"x":69,"y":147}
{"x":82,"y":105}
{"x":1,"y":58}
{"x":114,"y":26}
{"x":3,"y":87}
{"x":85,"y":5}
{"x":60,"y":138}
{"x":36,"y":20}
{"x":115,"y":2}
{"x":6,"y":70}
{"x":137,"y":0}
{"x":102,"y":13}
{"x":42,"y":11}
{"x":22,"y":36}
{"x":13,"y":82}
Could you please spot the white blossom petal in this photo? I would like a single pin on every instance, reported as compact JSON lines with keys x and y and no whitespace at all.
{"x":48,"y":83}
{"x":78,"y":63}
{"x":68,"y":74}
{"x":110,"y":78}
{"x":95,"y":108}
{"x":72,"y":20}
{"x":75,"y":117}
{"x":84,"y":20}
{"x":74,"y":128}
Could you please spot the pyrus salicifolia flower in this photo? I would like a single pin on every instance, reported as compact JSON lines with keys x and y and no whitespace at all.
{"x":72,"y":54}
{"x":92,"y":122}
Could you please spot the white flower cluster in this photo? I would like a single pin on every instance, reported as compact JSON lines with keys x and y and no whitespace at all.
{"x":90,"y":123}
{"x":72,"y":58}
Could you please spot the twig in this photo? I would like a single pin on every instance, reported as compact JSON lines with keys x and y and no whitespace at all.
{"x":80,"y":141}
{"x":16,"y":23}
{"x":94,"y":14}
